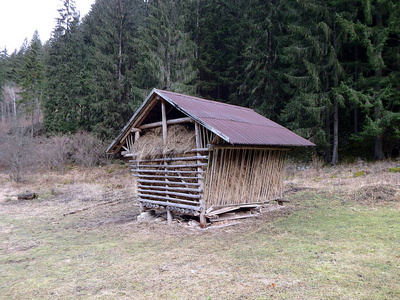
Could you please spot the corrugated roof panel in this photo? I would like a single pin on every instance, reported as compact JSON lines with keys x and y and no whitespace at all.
{"x":254,"y":134}
{"x":237,"y":125}
{"x":216,"y":110}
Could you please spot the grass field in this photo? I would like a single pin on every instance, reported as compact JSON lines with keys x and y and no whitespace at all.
{"x":339,"y":238}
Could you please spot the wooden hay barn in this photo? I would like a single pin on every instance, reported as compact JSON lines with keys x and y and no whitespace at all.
{"x":203,"y":158}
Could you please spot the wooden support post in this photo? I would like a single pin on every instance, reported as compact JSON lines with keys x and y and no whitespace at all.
{"x":164,"y":122}
{"x":169,"y":217}
{"x":203,"y":220}
{"x":164,"y":136}
{"x":137,"y":136}
{"x":141,"y":207}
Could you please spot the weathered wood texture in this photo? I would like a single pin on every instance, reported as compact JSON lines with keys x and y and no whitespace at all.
{"x":168,"y":183}
{"x":157,"y":124}
{"x":238,"y":175}
{"x":28,"y":196}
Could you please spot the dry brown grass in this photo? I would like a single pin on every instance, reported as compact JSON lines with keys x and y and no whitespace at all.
{"x":76,"y":183}
{"x":341,"y":178}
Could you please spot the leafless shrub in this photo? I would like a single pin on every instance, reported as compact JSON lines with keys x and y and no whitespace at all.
{"x":88,"y":150}
{"x":54,"y":152}
{"x":58,"y":152}
{"x":15,"y":154}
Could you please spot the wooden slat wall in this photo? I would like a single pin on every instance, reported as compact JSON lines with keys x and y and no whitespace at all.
{"x":171,"y":183}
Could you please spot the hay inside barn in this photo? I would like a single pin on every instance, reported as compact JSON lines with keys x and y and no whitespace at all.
{"x":180,"y":139}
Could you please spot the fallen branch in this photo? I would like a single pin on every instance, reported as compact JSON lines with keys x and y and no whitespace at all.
{"x":89,"y":207}
{"x":280,"y":200}
{"x":29,"y":196}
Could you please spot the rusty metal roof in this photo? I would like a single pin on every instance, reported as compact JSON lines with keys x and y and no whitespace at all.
{"x":236,"y":125}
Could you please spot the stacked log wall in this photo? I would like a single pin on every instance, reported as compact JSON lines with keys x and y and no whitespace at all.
{"x":172,"y":183}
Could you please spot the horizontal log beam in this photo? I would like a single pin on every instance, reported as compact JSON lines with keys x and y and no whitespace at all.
{"x":198,"y":150}
{"x":174,"y":200}
{"x":170,"y":188}
{"x":170,"y":193}
{"x":166,"y":177}
{"x":168,"y":182}
{"x":170,"y":159}
{"x":196,"y":208}
{"x":166,"y":171}
{"x":169,"y":122}
{"x":171,"y":166}
{"x":147,"y":205}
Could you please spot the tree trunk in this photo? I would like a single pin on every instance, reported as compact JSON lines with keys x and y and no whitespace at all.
{"x":378,"y":150}
{"x":335,"y":154}
{"x":378,"y":154}
{"x":14,"y":107}
{"x":3,"y":112}
{"x":355,"y":115}
{"x":120,"y":42}
{"x":328,"y":136}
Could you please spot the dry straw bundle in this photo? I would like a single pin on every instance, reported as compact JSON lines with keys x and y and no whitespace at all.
{"x":180,"y":139}
{"x":244,"y":176}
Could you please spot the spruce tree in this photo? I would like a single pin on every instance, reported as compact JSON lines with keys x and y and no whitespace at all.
{"x":313,"y":74}
{"x":260,"y":74}
{"x":375,"y":30}
{"x":166,"y":51}
{"x":3,"y":62}
{"x":32,"y":80}
{"x":110,"y":31}
{"x":61,"y":104}
{"x":221,"y":38}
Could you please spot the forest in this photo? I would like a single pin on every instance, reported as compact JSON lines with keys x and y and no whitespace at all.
{"x":328,"y":70}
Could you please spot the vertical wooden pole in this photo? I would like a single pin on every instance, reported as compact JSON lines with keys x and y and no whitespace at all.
{"x":137,"y":136}
{"x":169,"y":217}
{"x":203,"y":220}
{"x":164,"y":122}
{"x":164,"y":137}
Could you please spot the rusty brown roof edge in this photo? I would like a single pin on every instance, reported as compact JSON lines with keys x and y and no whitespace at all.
{"x":206,"y":100}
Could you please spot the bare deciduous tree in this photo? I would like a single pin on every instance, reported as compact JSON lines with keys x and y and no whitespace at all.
{"x":15,"y":153}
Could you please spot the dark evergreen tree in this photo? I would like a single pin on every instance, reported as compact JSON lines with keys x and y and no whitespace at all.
{"x":313,"y":73}
{"x":32,"y":80}
{"x":221,"y":39}
{"x":374,"y":29}
{"x":167,"y":54}
{"x":110,"y":31}
{"x":61,"y":104}
{"x":3,"y":63}
{"x":259,"y":71}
